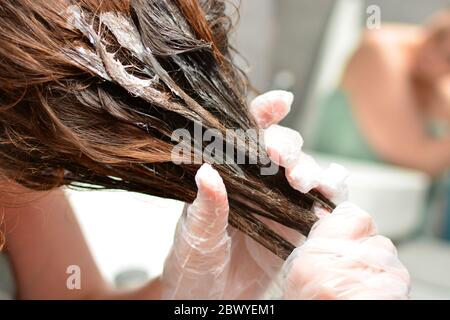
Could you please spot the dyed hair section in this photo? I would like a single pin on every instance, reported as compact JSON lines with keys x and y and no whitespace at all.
{"x":91,"y":92}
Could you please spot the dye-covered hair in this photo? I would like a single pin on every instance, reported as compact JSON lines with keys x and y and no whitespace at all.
{"x":91,"y":92}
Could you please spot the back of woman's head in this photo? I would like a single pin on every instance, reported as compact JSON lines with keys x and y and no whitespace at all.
{"x":70,"y":72}
{"x":91,"y":92}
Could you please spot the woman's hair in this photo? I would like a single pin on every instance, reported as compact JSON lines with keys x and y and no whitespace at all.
{"x":92,"y":91}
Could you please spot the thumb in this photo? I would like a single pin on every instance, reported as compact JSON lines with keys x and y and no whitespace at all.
{"x":207,"y":216}
{"x":197,"y":266}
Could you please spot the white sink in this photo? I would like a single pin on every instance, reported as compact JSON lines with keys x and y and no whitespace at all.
{"x":126,"y":231}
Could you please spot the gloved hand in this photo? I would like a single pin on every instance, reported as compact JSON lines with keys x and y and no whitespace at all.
{"x":210,"y":260}
{"x":344,"y":258}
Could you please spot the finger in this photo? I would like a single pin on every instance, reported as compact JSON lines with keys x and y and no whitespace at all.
{"x":202,"y":249}
{"x":283,"y":145}
{"x":345,"y":268}
{"x":377,"y":247}
{"x":381,"y":242}
{"x":271,"y":107}
{"x":333,"y":183}
{"x":207,"y":216}
{"x":347,"y":221}
{"x":381,"y":286}
{"x":305,"y":174}
{"x":306,"y":275}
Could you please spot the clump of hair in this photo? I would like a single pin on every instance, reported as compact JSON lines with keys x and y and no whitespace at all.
{"x":91,"y":92}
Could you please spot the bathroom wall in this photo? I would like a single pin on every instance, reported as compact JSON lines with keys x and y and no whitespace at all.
{"x":408,"y":11}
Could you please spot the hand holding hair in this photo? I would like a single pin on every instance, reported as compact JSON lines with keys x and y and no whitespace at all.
{"x":210,"y":260}
{"x":92,"y":92}
{"x":344,"y":258}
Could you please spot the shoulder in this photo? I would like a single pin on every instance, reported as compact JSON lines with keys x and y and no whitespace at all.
{"x":376,"y":46}
{"x":389,"y":34}
{"x":8,"y":186}
{"x":381,"y":55}
{"x":13,"y":194}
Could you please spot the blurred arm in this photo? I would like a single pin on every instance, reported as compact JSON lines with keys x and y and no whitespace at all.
{"x":383,"y":103}
{"x":43,"y":238}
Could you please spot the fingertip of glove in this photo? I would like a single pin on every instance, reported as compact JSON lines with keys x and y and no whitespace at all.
{"x":209,"y":182}
{"x":271,"y":107}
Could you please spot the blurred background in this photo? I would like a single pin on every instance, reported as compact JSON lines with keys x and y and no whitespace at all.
{"x":303,"y":46}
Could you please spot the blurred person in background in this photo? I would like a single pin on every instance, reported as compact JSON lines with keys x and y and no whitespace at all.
{"x":393,"y":102}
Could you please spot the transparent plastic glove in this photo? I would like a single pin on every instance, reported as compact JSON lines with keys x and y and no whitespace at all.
{"x":284,"y":147}
{"x":344,"y":258}
{"x":197,"y":266}
{"x":210,"y":260}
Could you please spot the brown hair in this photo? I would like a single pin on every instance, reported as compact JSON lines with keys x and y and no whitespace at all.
{"x":91,"y":91}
